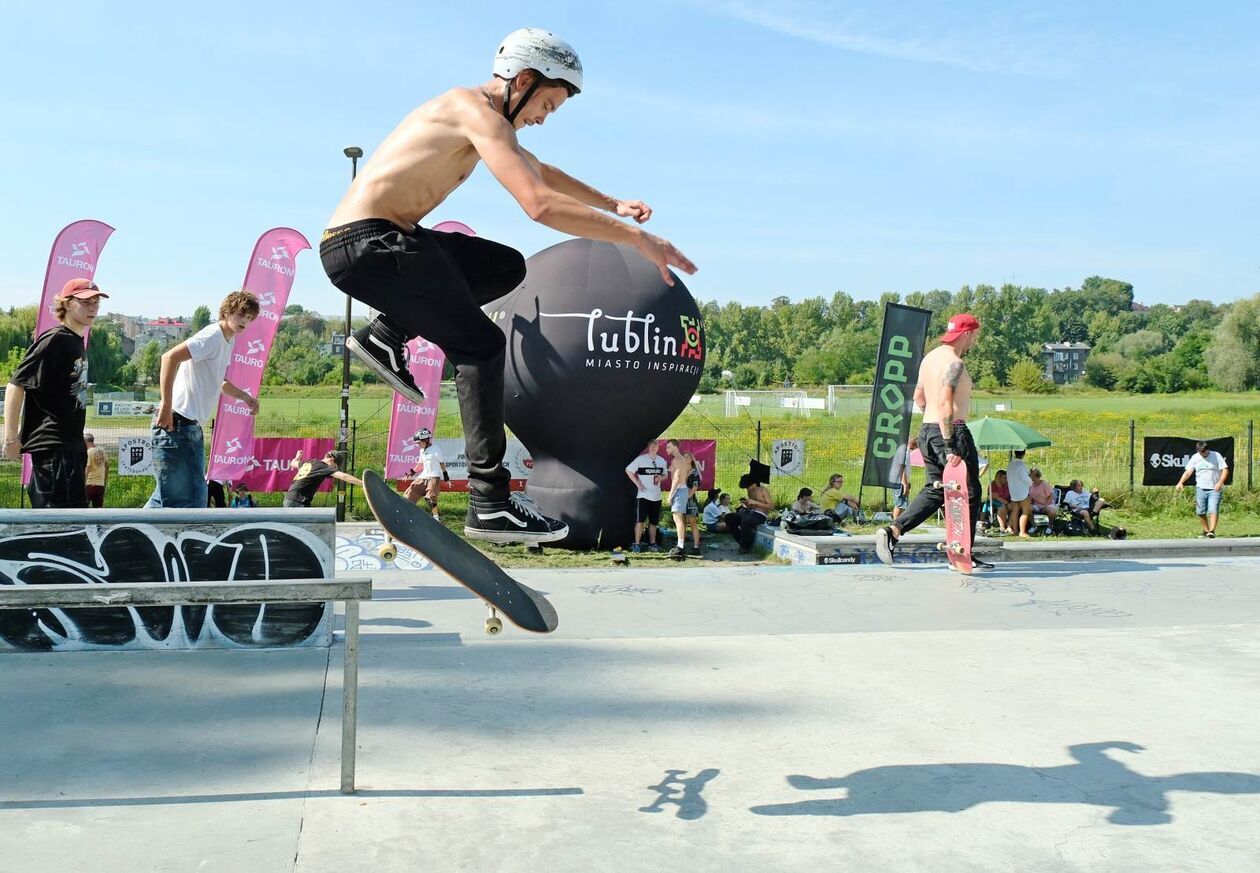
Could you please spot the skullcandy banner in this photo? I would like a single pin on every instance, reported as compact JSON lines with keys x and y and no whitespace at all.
{"x":269,"y":276}
{"x":425,"y":361}
{"x":74,"y":255}
{"x":1164,"y":459}
{"x":892,"y":401}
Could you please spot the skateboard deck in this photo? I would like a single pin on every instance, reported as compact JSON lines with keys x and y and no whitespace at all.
{"x":414,"y":527}
{"x":957,"y":545}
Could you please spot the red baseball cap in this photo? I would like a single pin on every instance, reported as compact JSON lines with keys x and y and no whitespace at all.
{"x":84,"y":289}
{"x":959,"y":325}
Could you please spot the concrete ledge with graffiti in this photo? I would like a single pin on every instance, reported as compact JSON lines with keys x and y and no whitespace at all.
{"x":59,"y":547}
{"x":356,"y":546}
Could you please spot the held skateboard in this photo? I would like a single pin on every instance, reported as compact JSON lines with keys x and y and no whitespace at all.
{"x":414,"y":527}
{"x":957,"y":545}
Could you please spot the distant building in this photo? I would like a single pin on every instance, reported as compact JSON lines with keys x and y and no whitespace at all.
{"x":335,"y":347}
{"x":166,"y":331}
{"x":1064,"y":362}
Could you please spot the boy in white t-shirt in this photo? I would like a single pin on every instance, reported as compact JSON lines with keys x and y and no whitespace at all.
{"x":428,"y":473}
{"x":646,"y":472}
{"x":1210,"y":471}
{"x":190,"y":382}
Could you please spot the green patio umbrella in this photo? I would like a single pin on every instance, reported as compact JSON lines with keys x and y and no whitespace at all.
{"x":999,"y":433}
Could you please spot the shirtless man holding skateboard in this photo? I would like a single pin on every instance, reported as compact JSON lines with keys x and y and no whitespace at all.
{"x":944,"y":393}
{"x":434,"y":284}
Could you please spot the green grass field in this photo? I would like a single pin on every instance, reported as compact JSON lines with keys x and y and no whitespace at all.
{"x":1090,"y":432}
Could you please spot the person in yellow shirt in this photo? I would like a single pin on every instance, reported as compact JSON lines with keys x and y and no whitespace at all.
{"x":835,"y":502}
{"x":97,"y":473}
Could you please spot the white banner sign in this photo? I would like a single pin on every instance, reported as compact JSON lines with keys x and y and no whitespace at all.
{"x":125,"y":407}
{"x":135,"y":456}
{"x":787,"y":458}
{"x":517,"y":459}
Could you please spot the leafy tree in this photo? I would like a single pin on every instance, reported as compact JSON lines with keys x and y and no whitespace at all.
{"x":1028,"y":376}
{"x":10,"y":363}
{"x":105,"y":352}
{"x":1140,"y":345}
{"x":1233,"y":358}
{"x":1102,"y":370}
{"x":200,"y":318}
{"x":148,"y":363}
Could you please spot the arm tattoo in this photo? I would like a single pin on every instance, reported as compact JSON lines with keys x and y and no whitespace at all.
{"x":953,"y":374}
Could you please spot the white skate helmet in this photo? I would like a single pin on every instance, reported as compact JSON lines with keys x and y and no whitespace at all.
{"x":423,"y":434}
{"x":532,"y":48}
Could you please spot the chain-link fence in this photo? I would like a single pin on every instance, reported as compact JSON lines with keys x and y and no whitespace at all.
{"x":1103,"y":450}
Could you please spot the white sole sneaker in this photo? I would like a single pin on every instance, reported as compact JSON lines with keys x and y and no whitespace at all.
{"x":506,"y":537}
{"x":415,"y":395}
{"x":883,"y":546}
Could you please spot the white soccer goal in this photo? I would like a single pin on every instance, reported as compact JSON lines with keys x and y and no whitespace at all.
{"x":848,"y":399}
{"x":757,"y":403}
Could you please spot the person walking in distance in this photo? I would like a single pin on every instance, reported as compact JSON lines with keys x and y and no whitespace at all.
{"x":190,"y":381}
{"x":1210,"y":471}
{"x":944,"y":393}
{"x":96,"y":476}
{"x":45,"y":403}
{"x":431,"y":283}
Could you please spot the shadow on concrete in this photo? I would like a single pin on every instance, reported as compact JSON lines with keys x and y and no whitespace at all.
{"x":682,"y":793}
{"x":249,"y":797}
{"x":1041,"y":569}
{"x":1094,"y":779}
{"x":424,"y":592}
{"x":396,"y":622}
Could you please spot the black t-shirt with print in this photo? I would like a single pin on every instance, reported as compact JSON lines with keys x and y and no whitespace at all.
{"x":308,"y":479}
{"x":54,"y":374}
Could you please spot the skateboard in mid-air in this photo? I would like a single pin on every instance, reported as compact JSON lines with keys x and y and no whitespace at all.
{"x":412,"y":526}
{"x":957,"y":545}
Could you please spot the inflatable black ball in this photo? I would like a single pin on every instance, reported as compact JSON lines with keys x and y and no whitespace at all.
{"x":602,"y":355}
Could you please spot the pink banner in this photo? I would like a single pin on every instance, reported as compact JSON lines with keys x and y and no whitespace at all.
{"x":270,"y":276}
{"x":268,"y":469}
{"x":705,"y":453}
{"x":74,"y":255}
{"x":425,"y":361}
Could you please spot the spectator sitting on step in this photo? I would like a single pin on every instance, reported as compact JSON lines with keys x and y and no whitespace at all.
{"x":753,"y":512}
{"x":241,"y":497}
{"x":805,"y":504}
{"x":718,"y":517}
{"x":999,"y":498}
{"x":835,"y":502}
{"x":1042,"y":496}
{"x":1085,"y":505}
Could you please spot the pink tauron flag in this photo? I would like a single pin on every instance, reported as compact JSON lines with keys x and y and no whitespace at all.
{"x":74,"y":255}
{"x":272,"y":267}
{"x":425,"y":361}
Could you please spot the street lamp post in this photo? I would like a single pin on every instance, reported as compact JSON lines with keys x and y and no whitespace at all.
{"x":343,"y":432}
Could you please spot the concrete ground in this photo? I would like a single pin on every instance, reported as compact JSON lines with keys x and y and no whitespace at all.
{"x":1054,"y":716}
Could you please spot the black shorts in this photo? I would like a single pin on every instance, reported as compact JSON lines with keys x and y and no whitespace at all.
{"x":57,"y":479}
{"x":649,"y":511}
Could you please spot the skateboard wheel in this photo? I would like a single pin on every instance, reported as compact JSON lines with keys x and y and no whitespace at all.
{"x":493,"y":626}
{"x":387,"y":551}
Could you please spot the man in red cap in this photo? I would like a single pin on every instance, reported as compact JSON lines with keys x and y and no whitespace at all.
{"x":944,"y":393}
{"x":45,"y":405}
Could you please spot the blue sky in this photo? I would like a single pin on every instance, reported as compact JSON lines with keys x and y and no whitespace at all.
{"x":789,"y":148}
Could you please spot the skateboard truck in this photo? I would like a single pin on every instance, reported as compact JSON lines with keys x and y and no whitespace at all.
{"x":388,"y":550}
{"x":493,"y":624}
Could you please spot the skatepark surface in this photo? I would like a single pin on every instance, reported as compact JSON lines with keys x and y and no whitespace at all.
{"x":1056,"y":715}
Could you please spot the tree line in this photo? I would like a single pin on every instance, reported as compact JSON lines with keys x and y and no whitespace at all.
{"x":816,"y":341}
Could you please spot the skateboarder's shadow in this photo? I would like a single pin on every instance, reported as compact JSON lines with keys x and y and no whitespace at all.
{"x":1095,"y":779}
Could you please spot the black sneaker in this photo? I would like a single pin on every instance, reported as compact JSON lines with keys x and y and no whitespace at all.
{"x":979,"y":566}
{"x":885,"y":542}
{"x":515,"y":520}
{"x":385,"y":353}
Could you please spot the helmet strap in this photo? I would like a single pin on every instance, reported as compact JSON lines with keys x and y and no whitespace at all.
{"x":507,"y":96}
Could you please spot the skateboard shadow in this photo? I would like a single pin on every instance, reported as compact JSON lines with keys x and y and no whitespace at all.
{"x":396,"y":622}
{"x":424,"y":592}
{"x":1094,"y":779}
{"x":682,"y":792}
{"x":1089,"y":567}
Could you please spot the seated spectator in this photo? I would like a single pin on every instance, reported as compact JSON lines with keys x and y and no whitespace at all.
{"x":753,"y":512}
{"x":1085,"y":505}
{"x":718,"y":517}
{"x":999,"y":500}
{"x":804,"y":504}
{"x":241,"y":497}
{"x":1042,"y":495}
{"x":835,"y":503}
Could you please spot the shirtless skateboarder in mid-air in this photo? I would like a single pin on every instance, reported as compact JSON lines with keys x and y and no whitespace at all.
{"x":944,"y":393}
{"x":434,"y":284}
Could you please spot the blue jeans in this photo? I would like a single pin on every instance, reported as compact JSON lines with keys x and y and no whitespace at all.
{"x":179,"y":468}
{"x":1207,"y":501}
